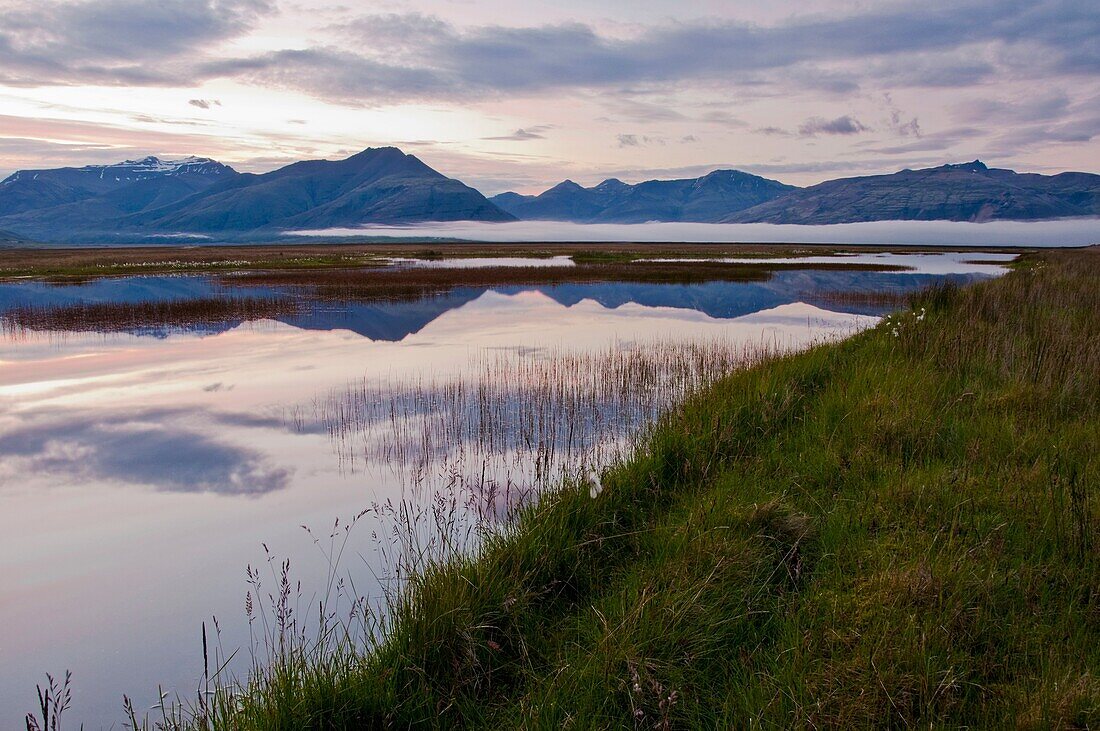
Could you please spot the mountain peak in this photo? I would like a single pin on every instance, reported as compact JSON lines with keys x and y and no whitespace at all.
{"x":387,"y":151}
{"x":566,"y":185}
{"x":705,"y":199}
{"x":153,"y":165}
{"x":977,"y":166}
{"x":611,"y":184}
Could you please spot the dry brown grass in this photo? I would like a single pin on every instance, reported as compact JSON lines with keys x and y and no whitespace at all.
{"x":125,"y":316}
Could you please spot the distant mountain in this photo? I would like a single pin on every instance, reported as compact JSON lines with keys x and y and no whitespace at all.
{"x":706,"y":199}
{"x":142,"y":199}
{"x":965,"y":192}
{"x":378,"y":185}
{"x":38,"y":190}
{"x":7,"y":238}
{"x":147,"y":197}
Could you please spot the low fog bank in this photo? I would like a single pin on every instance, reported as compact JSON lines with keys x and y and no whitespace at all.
{"x":1071,"y":232}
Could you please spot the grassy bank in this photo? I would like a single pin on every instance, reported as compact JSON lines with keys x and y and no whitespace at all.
{"x":899,"y":530}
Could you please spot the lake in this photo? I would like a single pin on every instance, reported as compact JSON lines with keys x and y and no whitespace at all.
{"x":144,"y":468}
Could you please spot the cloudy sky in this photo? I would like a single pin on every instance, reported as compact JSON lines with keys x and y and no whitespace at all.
{"x":508,"y":95}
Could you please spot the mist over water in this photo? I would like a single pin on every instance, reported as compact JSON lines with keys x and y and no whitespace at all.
{"x":1068,"y":232}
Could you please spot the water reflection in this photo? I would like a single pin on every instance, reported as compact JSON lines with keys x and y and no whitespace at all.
{"x":173,"y":449}
{"x":396,"y":320}
{"x":140,"y":475}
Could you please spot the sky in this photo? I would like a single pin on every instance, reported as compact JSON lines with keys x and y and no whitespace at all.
{"x":519,"y":96}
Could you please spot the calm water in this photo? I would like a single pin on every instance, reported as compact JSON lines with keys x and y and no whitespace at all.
{"x":140,"y":473}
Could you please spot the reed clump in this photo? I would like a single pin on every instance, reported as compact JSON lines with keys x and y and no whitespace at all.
{"x":877,"y":299}
{"x":405,"y":283}
{"x":108,"y":317}
{"x":899,"y":530}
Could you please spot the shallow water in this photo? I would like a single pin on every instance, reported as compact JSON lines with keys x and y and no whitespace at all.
{"x":141,"y":472}
{"x":482,"y":262}
{"x":951,"y":262}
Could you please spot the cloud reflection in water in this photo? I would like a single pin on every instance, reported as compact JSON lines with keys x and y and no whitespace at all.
{"x":143,"y":448}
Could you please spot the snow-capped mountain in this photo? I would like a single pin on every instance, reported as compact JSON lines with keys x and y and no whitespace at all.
{"x":151,"y":166}
{"x":125,"y":171}
{"x":92,"y":193}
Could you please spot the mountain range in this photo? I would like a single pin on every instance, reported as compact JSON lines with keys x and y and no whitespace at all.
{"x":965,"y":192}
{"x":707,"y":199}
{"x":151,"y":197}
{"x":201,"y":196}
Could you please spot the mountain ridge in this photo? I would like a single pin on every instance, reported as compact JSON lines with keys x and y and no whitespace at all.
{"x":200,"y":196}
{"x":26,"y":191}
{"x":970,"y":192}
{"x":704,"y":199}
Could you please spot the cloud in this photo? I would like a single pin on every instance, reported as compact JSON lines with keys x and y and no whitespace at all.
{"x":943,"y":140}
{"x":1041,"y":108}
{"x":381,"y":58}
{"x":773,"y":131}
{"x":524,"y":134}
{"x":723,"y":118}
{"x":116,"y":41}
{"x":845,"y":125}
{"x":905,"y":44}
{"x":631,"y":140}
{"x":204,"y":103}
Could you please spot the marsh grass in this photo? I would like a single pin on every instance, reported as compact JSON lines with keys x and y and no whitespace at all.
{"x":54,"y":699}
{"x":473,"y":447}
{"x":405,"y":283}
{"x":850,"y":298}
{"x":109,"y":317}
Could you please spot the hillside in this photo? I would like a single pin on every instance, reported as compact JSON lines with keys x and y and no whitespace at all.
{"x":966,"y":192}
{"x":378,"y":185}
{"x":7,"y":238}
{"x":706,"y":199}
{"x":104,"y":190}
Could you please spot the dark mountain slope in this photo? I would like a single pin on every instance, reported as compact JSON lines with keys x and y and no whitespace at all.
{"x":38,"y":190}
{"x":7,"y":238}
{"x":966,"y":192}
{"x":379,"y":185}
{"x":706,"y":199}
{"x":106,"y":210}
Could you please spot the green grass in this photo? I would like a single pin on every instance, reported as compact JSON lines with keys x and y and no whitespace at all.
{"x":901,"y":530}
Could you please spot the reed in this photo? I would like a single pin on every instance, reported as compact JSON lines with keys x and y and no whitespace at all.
{"x":107,"y":317}
{"x":492,"y":437}
{"x":847,"y":298}
{"x":404,"y":283}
